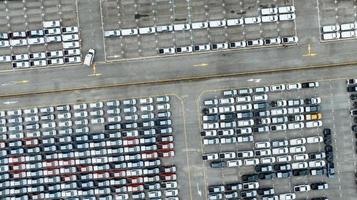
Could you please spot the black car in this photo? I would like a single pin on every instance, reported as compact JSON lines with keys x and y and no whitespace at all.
{"x":354,"y":104}
{"x":250,"y":177}
{"x":319,"y":198}
{"x":328,"y":140}
{"x":330,"y":169}
{"x":301,"y":172}
{"x":329,"y":156}
{"x":319,"y":186}
{"x":352,"y":88}
{"x":353,"y":96}
{"x":218,"y":164}
{"x":354,"y":128}
{"x":266,"y":176}
{"x":354,"y":112}
{"x":326,"y":131}
{"x":355,"y":120}
{"x":205,"y":111}
{"x":328,"y":148}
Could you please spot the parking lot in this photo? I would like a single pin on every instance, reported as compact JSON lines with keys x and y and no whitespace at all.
{"x":234,"y":170}
{"x":341,"y":16}
{"x":132,"y":142}
{"x":23,"y":32}
{"x":199,"y":17}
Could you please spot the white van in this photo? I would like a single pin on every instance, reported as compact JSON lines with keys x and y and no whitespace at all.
{"x":88,"y":60}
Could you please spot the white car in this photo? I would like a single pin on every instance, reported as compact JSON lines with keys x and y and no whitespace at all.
{"x":238,"y":44}
{"x":70,"y":45}
{"x":278,"y":127}
{"x":251,"y":161}
{"x":182,"y":27}
{"x":225,"y":109}
{"x":51,"y":24}
{"x":23,"y":64}
{"x":169,"y":50}
{"x":296,"y":110}
{"x":227,"y":155}
{"x":270,"y":18}
{"x":210,"y":102}
{"x":302,"y":188}
{"x":297,"y":141}
{"x":269,"y":11}
{"x":234,"y":163}
{"x":146,"y":30}
{"x":202,"y":47}
{"x":263,"y":152}
{"x":184,"y":49}
{"x":72,"y":59}
{"x":210,"y":126}
{"x":262,"y":145}
{"x":287,"y":17}
{"x":257,"y":42}
{"x":70,"y":30}
{"x":330,"y":28}
{"x":252,"y":20}
{"x":4,"y":43}
{"x":210,"y":156}
{"x":283,"y":159}
{"x":348,"y":34}
{"x":18,"y":42}
{"x":217,"y":23}
{"x":331,"y":36}
{"x":235,"y":22}
{"x":313,"y":124}
{"x":243,"y":99}
{"x":290,"y":40}
{"x":299,"y":125}
{"x":244,"y":130}
{"x":272,"y":41}
{"x":295,"y":102}
{"x":219,"y":46}
{"x":293,"y":86}
{"x":70,"y":37}
{"x":243,"y":107}
{"x":128,"y":32}
{"x":278,"y":111}
{"x":267,"y":160}
{"x":347,"y":27}
{"x":230,"y":92}
{"x":317,"y":163}
{"x":280,"y":151}
{"x":287,"y":196}
{"x":262,"y":97}
{"x":286,"y":9}
{"x":297,"y":149}
{"x":314,"y":139}
{"x":224,"y":101}
{"x":112,"y":33}
{"x":250,"y":185}
{"x":199,"y":25}
{"x":242,"y":123}
{"x":39,"y":40}
{"x":277,"y":88}
{"x":164,"y":28}
{"x":299,"y":165}
{"x":301,"y":157}
{"x":5,"y":58}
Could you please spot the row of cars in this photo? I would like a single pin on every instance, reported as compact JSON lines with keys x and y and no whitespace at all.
{"x":352,"y":89}
{"x":253,"y":189}
{"x":287,"y":40}
{"x":283,"y":13}
{"x":337,"y":31}
{"x":52,"y":32}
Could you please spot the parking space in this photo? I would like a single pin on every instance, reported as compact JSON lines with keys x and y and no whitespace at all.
{"x":273,"y":141}
{"x":194,"y":26}
{"x":30,"y":28}
{"x":114,"y":149}
{"x":337,"y":19}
